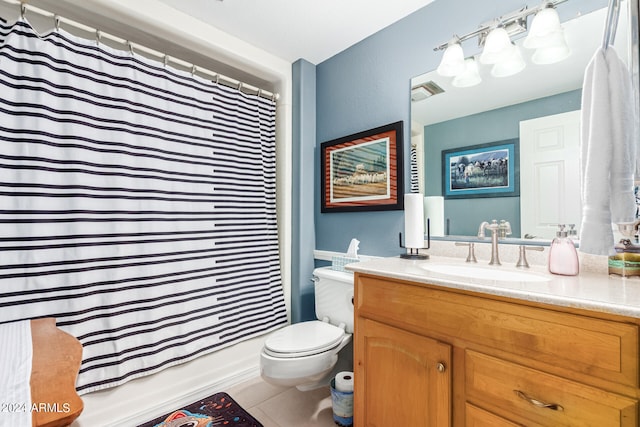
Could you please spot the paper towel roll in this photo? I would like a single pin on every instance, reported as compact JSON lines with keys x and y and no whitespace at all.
{"x":413,"y":221}
{"x":434,"y":210}
{"x":344,"y":381}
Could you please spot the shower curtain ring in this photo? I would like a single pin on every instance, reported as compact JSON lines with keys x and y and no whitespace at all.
{"x":193,"y":70}
{"x":23,"y":10}
{"x":98,"y":36}
{"x":56,"y":22}
{"x":130,"y":47}
{"x":166,"y":59}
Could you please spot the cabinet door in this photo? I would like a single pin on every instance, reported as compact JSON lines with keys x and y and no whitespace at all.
{"x":402,"y":379}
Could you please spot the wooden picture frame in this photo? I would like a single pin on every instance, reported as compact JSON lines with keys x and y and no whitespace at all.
{"x":483,"y":170}
{"x":363,"y":171}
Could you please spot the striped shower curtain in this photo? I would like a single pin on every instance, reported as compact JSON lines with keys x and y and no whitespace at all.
{"x":137,"y":205}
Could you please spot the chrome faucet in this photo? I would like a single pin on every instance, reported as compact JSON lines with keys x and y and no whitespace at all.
{"x":495,"y":228}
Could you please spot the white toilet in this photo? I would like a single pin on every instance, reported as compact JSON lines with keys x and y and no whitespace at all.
{"x":305,"y":354}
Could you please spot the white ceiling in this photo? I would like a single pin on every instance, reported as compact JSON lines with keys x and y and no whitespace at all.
{"x":292,"y":29}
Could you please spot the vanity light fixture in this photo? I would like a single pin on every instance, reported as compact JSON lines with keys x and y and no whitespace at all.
{"x":546,"y":36}
{"x":452,"y":62}
{"x":497,"y":46}
{"x":470,"y":76}
{"x":551,"y":54}
{"x":545,"y":25}
{"x":509,"y":66}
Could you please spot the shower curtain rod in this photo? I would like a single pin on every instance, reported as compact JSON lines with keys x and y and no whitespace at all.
{"x":611,"y":25}
{"x":217,"y":77}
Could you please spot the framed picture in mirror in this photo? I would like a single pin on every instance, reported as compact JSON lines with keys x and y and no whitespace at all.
{"x":483,"y":170}
{"x":363,"y":171}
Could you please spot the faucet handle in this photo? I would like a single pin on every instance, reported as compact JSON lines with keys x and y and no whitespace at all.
{"x":522,"y":260}
{"x":504,"y":229}
{"x":471,"y":256}
{"x":629,"y":229}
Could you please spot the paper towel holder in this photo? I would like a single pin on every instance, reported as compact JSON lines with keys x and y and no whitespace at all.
{"x":414,"y":252}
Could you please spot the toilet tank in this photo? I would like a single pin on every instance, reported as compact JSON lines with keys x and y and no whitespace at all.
{"x":334,"y":296}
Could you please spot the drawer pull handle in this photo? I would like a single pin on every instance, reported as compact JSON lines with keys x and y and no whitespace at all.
{"x":538,"y":403}
{"x":441,"y":367}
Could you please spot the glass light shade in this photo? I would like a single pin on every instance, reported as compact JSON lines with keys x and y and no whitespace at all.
{"x":544,"y":25}
{"x":497,"y":47}
{"x":550,"y":55}
{"x":556,"y":51}
{"x":452,"y":62}
{"x":510,"y":66}
{"x":470,"y":76}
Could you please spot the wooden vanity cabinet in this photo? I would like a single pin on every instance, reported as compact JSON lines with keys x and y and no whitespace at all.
{"x":430,"y":356}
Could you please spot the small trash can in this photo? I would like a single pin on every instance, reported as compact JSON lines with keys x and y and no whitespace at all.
{"x":342,"y":402}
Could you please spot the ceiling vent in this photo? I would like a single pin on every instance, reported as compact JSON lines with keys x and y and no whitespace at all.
{"x":424,"y":91}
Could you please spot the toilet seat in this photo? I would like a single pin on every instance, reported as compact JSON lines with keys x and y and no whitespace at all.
{"x":303,"y":339}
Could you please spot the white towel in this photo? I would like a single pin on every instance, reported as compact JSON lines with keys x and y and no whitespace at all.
{"x":608,"y":151}
{"x":16,"y":355}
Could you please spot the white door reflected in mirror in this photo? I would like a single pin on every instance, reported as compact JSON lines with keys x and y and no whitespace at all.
{"x":549,"y":178}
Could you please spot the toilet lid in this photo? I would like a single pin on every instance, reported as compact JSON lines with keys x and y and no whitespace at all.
{"x":303,"y":339}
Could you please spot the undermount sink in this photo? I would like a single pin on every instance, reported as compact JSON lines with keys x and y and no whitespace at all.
{"x":483,"y":273}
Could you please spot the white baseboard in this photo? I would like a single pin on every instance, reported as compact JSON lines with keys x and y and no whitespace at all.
{"x":143,"y":399}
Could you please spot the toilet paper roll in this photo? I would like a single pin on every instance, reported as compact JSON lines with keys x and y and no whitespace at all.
{"x":344,"y":381}
{"x":434,"y":211}
{"x":413,"y":221}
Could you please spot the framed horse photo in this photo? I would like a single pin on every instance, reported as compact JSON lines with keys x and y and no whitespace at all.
{"x":484,"y":170}
{"x":363,"y":171}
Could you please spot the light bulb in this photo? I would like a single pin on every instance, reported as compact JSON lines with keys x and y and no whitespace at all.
{"x":543,"y":27}
{"x":452,"y":62}
{"x":497,"y":47}
{"x":470,"y":76}
{"x":510,"y":66}
{"x":550,"y":55}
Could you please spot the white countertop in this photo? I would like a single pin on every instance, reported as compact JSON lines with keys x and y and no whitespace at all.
{"x":591,"y":291}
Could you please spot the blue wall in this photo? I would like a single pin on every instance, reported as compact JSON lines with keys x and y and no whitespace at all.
{"x":368,"y":85}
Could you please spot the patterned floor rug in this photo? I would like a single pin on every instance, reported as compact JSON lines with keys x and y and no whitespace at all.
{"x":216,"y":410}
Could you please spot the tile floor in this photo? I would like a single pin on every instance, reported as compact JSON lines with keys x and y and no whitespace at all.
{"x":277,"y":406}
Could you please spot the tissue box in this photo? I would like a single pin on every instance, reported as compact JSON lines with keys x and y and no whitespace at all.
{"x":338,"y":262}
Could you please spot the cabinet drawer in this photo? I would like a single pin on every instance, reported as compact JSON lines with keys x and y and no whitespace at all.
{"x":477,"y":417}
{"x":599,"y":348}
{"x":500,"y":386}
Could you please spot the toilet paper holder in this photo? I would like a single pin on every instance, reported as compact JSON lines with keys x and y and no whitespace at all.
{"x":414,"y":253}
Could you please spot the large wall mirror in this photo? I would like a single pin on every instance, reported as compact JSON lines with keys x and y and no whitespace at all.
{"x":539,"y":107}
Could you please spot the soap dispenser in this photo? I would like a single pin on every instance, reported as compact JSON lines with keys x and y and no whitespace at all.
{"x":563,"y":257}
